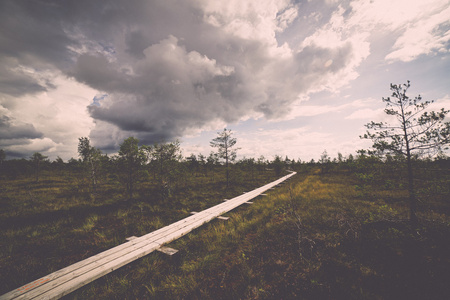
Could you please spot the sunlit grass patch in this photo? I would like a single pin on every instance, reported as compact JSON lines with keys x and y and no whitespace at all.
{"x":88,"y":225}
{"x":122,"y":213}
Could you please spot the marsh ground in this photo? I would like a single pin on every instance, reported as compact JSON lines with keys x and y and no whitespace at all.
{"x":342,"y":234}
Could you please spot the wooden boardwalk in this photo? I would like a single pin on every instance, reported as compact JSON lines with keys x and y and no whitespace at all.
{"x":64,"y":281}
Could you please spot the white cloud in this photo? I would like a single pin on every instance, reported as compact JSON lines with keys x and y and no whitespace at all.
{"x":300,"y":109}
{"x":303,"y":142}
{"x":393,"y":14}
{"x":313,"y":110}
{"x":334,"y":35}
{"x":421,"y":28}
{"x":425,"y":36}
{"x":423,"y":25}
{"x":364,"y":114}
{"x":250,"y":19}
{"x":59,"y":114}
{"x":46,"y":146}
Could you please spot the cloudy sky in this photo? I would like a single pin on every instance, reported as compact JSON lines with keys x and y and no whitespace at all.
{"x":288,"y":77}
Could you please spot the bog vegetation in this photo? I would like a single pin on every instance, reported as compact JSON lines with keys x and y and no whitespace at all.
{"x":340,"y":229}
{"x":343,"y":228}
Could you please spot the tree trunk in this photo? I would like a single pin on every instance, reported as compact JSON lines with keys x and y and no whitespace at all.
{"x":93,"y":176}
{"x":37,"y":171}
{"x":412,"y":195}
{"x":227,"y":171}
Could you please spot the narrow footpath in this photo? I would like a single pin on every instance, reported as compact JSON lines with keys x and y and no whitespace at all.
{"x":64,"y":281}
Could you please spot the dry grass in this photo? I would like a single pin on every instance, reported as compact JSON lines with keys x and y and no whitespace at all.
{"x":322,"y":236}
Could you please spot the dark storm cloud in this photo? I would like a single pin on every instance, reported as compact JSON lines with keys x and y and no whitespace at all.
{"x":166,"y":70}
{"x":16,"y":136}
{"x":17,"y":83}
{"x":22,"y":149}
{"x":8,"y":130}
{"x":169,"y":91}
{"x":33,"y":33}
{"x":96,"y":71}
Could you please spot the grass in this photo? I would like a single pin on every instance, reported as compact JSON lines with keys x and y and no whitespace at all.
{"x":317,"y":238}
{"x":57,"y":221}
{"x":322,"y":236}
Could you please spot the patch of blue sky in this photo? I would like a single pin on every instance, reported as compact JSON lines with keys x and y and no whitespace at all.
{"x":98,"y":98}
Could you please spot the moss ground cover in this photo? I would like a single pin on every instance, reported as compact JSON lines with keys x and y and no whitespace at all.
{"x":334,"y":235}
{"x":57,"y":221}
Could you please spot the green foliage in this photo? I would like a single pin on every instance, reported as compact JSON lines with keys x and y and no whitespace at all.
{"x":92,"y":158}
{"x":164,"y":159}
{"x":325,"y":162}
{"x":131,"y":157}
{"x":416,"y":131}
{"x":224,"y":142}
{"x":278,"y":165}
{"x":38,"y":159}
{"x":366,"y":178}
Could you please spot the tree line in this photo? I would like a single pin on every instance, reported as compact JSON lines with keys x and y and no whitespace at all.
{"x":163,"y":163}
{"x":416,"y":136}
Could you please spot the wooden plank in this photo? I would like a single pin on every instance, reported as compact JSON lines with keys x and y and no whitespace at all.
{"x":93,"y":268}
{"x":64,"y":281}
{"x":223,"y":218}
{"x":81,"y":280}
{"x":131,"y":238}
{"x":58,"y":277}
{"x":120,"y":254}
{"x":167,"y":250}
{"x":51,"y":284}
{"x":181,"y":223}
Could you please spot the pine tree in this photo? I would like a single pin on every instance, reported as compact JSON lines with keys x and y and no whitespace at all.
{"x":225,"y":143}
{"x":415,"y":132}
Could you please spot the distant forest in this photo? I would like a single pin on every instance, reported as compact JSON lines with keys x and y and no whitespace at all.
{"x":163,"y":165}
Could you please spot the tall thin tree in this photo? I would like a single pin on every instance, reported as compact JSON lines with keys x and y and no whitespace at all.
{"x":90,"y":156}
{"x":416,"y":131}
{"x":38,"y":159}
{"x":225,"y":143}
